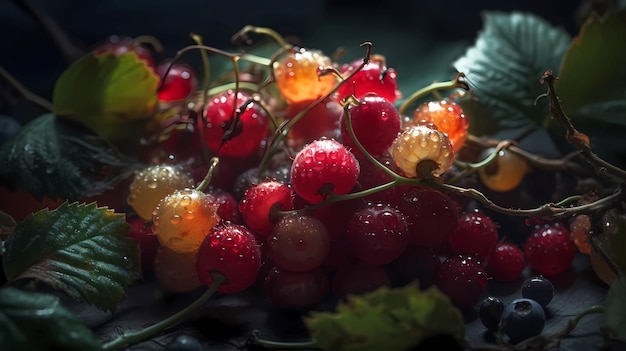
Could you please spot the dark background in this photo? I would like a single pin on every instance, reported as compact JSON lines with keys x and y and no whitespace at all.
{"x":27,"y":51}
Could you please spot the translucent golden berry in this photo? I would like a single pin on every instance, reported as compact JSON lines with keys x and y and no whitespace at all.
{"x":422,"y":143}
{"x":447,"y":116}
{"x":504,"y":173}
{"x":297,"y":76}
{"x":580,"y":229}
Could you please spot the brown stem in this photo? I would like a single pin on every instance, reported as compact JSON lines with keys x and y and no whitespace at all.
{"x":576,"y":138}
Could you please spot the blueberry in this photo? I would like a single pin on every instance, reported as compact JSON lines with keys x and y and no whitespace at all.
{"x":490,"y":312}
{"x":522,"y":319}
{"x":539,"y":289}
{"x":184,"y":343}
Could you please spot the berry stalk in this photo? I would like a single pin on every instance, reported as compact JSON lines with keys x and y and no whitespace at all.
{"x":455,"y":83}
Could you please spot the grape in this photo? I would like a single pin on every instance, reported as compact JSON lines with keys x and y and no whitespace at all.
{"x":152,"y":184}
{"x":183,"y":218}
{"x":296,"y":75}
{"x":299,"y":243}
{"x":176,"y":271}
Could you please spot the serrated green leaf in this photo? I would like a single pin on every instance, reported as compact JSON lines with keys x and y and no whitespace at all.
{"x":38,"y":322}
{"x":108,"y":93}
{"x":60,"y":159}
{"x":81,"y":249}
{"x":386,"y":319}
{"x":504,"y":68}
{"x":593,"y":68}
{"x":615,"y":315}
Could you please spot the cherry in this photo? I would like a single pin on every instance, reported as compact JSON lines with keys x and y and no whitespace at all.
{"x":376,"y":124}
{"x":179,"y":83}
{"x":320,"y":121}
{"x":259,"y":201}
{"x":322,"y":167}
{"x":374,"y":77}
{"x":228,"y":209}
{"x":148,"y":242}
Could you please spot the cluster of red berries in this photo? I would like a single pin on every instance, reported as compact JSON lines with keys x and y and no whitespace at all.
{"x":293,"y":224}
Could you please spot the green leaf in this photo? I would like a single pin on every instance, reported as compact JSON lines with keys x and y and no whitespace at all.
{"x":615,"y":315}
{"x":60,"y":159}
{"x":504,"y":68}
{"x":38,"y":322}
{"x":107,"y":92}
{"x":81,"y":249}
{"x":386,"y":319}
{"x":593,"y":68}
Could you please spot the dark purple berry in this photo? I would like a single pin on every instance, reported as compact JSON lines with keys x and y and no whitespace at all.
{"x":523,"y":319}
{"x":490,"y":313}
{"x":539,"y":289}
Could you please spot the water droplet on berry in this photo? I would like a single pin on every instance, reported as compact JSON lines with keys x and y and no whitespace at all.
{"x":185,"y":201}
{"x":175,"y":219}
{"x":153,"y":184}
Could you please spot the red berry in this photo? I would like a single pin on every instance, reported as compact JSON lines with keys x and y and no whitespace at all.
{"x":463,"y":279}
{"x":228,"y":207}
{"x":358,"y":279}
{"x":506,"y":263}
{"x":475,"y":235}
{"x":376,"y":124}
{"x":430,"y":214}
{"x":299,"y":243}
{"x":322,"y":167}
{"x":374,"y":77}
{"x":148,"y":242}
{"x":245,"y":133}
{"x":550,"y":249}
{"x":179,"y":83}
{"x":258,"y":202}
{"x":296,"y":289}
{"x":232,"y":251}
{"x":120,"y":45}
{"x":320,"y":121}
{"x":378,"y":234}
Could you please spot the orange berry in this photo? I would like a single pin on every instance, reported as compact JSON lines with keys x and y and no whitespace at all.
{"x":297,"y":76}
{"x":447,"y":116}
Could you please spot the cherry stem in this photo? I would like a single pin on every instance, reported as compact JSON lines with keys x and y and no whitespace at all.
{"x":457,"y":82}
{"x":132,"y":338}
{"x":149,"y":39}
{"x":209,"y":174}
{"x":206,"y":68}
{"x":576,"y":138}
{"x":32,"y":97}
{"x":242,"y":35}
{"x":281,"y":132}
{"x":255,"y":340}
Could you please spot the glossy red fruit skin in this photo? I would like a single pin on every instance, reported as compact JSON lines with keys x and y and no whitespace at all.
{"x":293,"y":290}
{"x":257,"y":204}
{"x":322,"y":120}
{"x":233,"y":251}
{"x":431,"y":215}
{"x":228,"y":209}
{"x":248,"y":133}
{"x":358,"y":279}
{"x":475,"y":235}
{"x":506,"y":264}
{"x":378,"y":234}
{"x":374,"y":77}
{"x":463,"y":279}
{"x":120,"y":45}
{"x":179,"y":83}
{"x":550,"y":249}
{"x":148,"y":242}
{"x":323,"y":165}
{"x":376,"y":124}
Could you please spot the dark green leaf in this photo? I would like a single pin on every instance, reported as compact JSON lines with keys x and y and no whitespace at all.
{"x":60,"y":159}
{"x":387,"y":319}
{"x":81,"y":249}
{"x":593,"y":68}
{"x":504,"y":67}
{"x":38,"y":322}
{"x":615,"y":316}
{"x":106,"y":92}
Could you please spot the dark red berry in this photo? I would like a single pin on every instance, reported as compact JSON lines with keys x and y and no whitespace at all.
{"x":148,"y":242}
{"x":179,"y":83}
{"x":463,"y":279}
{"x":550,"y":249}
{"x":296,"y":289}
{"x":258,"y":202}
{"x":374,"y":77}
{"x":475,"y":235}
{"x":506,"y":263}
{"x":228,"y":207}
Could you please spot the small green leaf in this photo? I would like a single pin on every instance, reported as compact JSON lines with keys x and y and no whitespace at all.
{"x":60,"y":159}
{"x":106,"y":92}
{"x":615,"y":315}
{"x":593,"y":68}
{"x":504,"y":68}
{"x":81,"y":249}
{"x":387,"y":319}
{"x":38,"y":322}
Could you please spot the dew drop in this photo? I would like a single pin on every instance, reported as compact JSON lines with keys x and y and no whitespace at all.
{"x":185,"y":201}
{"x":175,"y":219}
{"x":153,"y":184}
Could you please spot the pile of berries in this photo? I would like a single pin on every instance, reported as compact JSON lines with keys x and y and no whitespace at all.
{"x":322,"y":186}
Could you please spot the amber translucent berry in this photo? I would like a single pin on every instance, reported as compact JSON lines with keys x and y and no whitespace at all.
{"x":176,"y":272}
{"x":297,"y":78}
{"x":505,"y":173}
{"x":447,"y":116}
{"x":601,"y":268}
{"x":580,"y":229}
{"x":420,"y":143}
{"x":152,"y":184}
{"x":183,"y":218}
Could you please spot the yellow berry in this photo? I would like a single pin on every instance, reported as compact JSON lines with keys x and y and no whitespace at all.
{"x":504,"y":173}
{"x":297,"y":76}
{"x":420,"y":143}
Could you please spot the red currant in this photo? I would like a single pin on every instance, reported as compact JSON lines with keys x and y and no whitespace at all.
{"x":179,"y":83}
{"x":320,"y":121}
{"x":506,"y":263}
{"x":258,"y":202}
{"x":463,"y":279}
{"x":475,"y":235}
{"x":374,"y":77}
{"x":550,"y":249}
{"x":296,"y":289}
{"x":448,"y":117}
